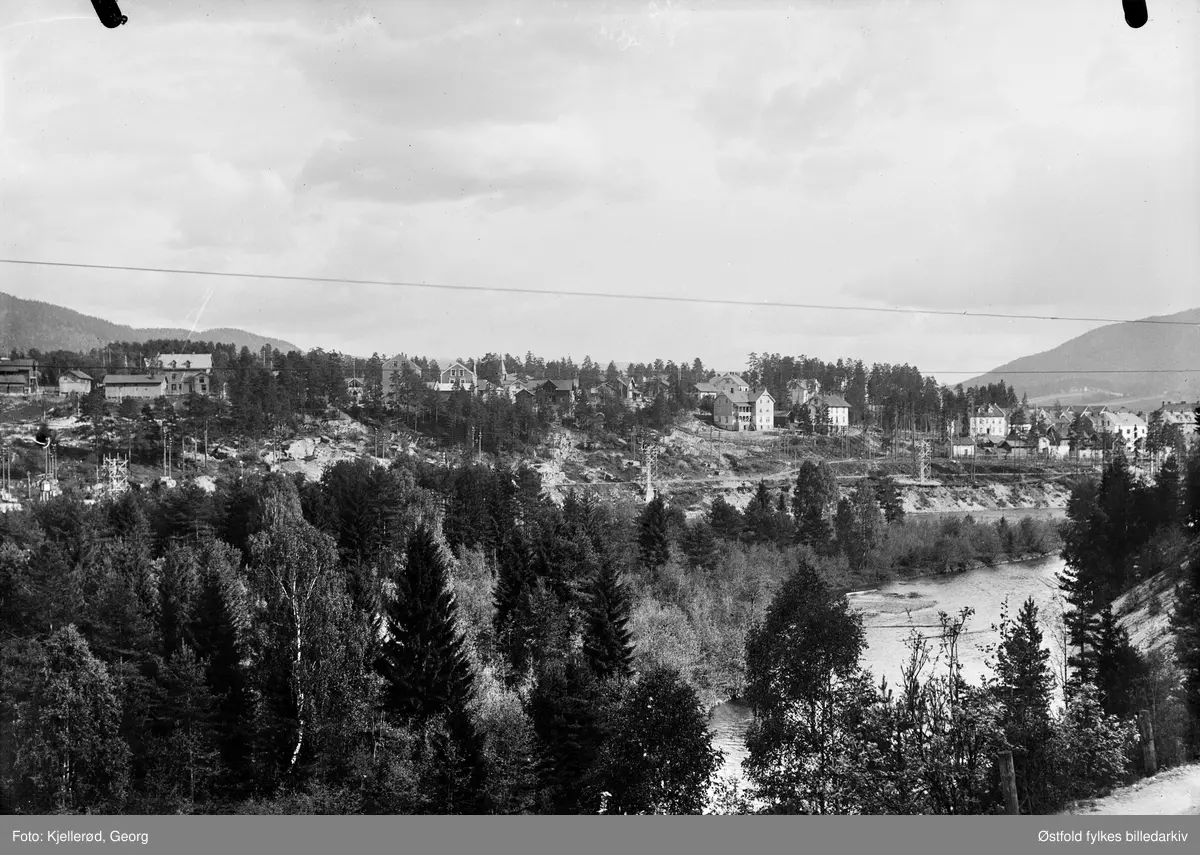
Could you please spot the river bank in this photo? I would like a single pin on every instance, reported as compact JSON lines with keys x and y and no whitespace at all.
{"x":986,"y":498}
{"x":893,"y":611}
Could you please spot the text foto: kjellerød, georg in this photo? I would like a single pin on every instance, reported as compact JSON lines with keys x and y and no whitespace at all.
{"x":70,"y":836}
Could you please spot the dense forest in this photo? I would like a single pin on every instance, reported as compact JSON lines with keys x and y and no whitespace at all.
{"x":421,"y":639}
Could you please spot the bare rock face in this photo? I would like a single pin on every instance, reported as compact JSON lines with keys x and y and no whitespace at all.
{"x":302,"y":449}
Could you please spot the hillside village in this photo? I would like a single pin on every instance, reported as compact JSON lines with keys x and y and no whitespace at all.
{"x":709,"y":432}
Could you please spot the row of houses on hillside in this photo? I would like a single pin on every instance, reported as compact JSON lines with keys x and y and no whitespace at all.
{"x":994,"y":421}
{"x":166,"y":375}
{"x":1085,"y":437}
{"x":737,"y":406}
{"x":461,"y":377}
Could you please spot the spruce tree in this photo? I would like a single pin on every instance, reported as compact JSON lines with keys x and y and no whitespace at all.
{"x":816,"y":491}
{"x":219,"y":626}
{"x":654,"y":544}
{"x":423,"y":659}
{"x":1118,"y":666}
{"x":727,"y":521}
{"x":178,"y":585}
{"x":607,"y":640}
{"x":567,"y":710}
{"x":1023,"y":686}
{"x":515,"y":580}
{"x":888,"y":496}
{"x":1185,"y":622}
{"x":699,"y":544}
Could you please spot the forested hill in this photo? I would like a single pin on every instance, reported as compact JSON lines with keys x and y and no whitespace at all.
{"x":1128,"y":359}
{"x":32,"y":324}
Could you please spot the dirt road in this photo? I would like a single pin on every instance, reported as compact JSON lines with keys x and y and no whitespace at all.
{"x":1175,"y":792}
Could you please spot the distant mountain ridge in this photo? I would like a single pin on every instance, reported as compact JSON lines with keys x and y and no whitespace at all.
{"x":1127,"y":360}
{"x":26,"y":324}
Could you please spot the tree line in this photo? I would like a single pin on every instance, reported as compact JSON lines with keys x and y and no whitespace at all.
{"x":422,"y":639}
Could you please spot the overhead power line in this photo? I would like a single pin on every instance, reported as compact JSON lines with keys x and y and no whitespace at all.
{"x":924,"y":373}
{"x":557,"y":292}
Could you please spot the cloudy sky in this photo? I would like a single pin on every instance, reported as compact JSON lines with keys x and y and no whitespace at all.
{"x":1017,"y":157}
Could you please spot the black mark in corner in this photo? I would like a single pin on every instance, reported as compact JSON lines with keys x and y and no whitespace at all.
{"x":1136,"y":14}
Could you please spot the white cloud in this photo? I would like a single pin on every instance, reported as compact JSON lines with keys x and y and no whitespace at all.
{"x":938,"y":155}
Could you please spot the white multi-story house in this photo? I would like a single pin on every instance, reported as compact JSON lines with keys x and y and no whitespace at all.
{"x":989,"y":421}
{"x":837,"y":410}
{"x":184,"y":372}
{"x":1180,"y":416}
{"x":1129,"y":426}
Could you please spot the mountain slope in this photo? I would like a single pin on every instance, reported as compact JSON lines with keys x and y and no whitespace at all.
{"x":1129,"y":360}
{"x":26,"y":324}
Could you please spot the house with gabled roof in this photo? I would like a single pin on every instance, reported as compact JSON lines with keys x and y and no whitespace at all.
{"x":962,"y":446}
{"x":1181,"y":417}
{"x":705,"y":390}
{"x":458,"y":376}
{"x":989,"y":421}
{"x":74,"y":382}
{"x":744,"y":410}
{"x":1129,"y":426}
{"x":184,"y":373}
{"x":801,"y":390}
{"x":18,"y":376}
{"x":1018,"y":447}
{"x":394,"y":370}
{"x":118,"y":386}
{"x":837,"y":411}
{"x":620,"y":389}
{"x":562,"y":393}
{"x":730,"y":383}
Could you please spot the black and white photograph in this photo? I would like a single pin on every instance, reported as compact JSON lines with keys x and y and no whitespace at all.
{"x":600,"y":408}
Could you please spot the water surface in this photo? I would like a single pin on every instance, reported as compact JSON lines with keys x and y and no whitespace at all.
{"x":892,"y":611}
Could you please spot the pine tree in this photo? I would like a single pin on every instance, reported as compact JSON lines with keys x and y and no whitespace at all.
{"x":654,"y":543}
{"x":607,"y":640}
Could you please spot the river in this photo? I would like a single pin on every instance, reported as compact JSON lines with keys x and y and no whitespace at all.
{"x":891,"y":611}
